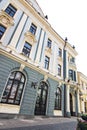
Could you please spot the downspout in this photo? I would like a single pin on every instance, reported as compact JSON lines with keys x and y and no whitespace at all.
{"x":64,"y":75}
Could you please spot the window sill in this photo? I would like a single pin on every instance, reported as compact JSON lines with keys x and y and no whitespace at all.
{"x":27,"y":58}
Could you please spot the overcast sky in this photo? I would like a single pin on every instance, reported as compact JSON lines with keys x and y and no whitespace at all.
{"x":69,"y":19}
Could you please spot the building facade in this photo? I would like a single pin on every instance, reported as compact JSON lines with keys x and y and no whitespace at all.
{"x":82,"y":80}
{"x":38,"y":73}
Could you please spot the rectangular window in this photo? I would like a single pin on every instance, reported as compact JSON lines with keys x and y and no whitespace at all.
{"x":47,"y":60}
{"x":27,"y":49}
{"x":2,"y":30}
{"x":33,"y":29}
{"x":59,"y":70}
{"x":10,"y":10}
{"x":49,"y":43}
{"x":72,"y":60}
{"x":74,"y":75}
{"x":60,"y":52}
{"x":71,"y":74}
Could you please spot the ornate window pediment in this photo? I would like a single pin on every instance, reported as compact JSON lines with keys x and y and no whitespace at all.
{"x":49,"y":50}
{"x":30,"y":37}
{"x":5,"y":19}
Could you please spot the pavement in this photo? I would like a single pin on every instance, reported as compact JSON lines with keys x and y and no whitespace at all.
{"x":39,"y":123}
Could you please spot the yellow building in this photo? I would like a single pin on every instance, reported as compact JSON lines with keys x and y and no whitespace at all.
{"x":82,"y":82}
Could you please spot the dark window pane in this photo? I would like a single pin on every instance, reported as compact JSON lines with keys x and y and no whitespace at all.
{"x":59,"y":70}
{"x":33,"y":29}
{"x":27,"y":49}
{"x":2,"y":30}
{"x":49,"y":42}
{"x":74,"y":76}
{"x":12,"y":75}
{"x":71,"y":74}
{"x":58,"y":99}
{"x":47,"y":59}
{"x":18,"y":76}
{"x":14,"y":88}
{"x":60,"y":52}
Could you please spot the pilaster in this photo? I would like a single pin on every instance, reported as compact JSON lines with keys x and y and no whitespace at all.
{"x":78,"y":103}
{"x":68,"y":101}
{"x":17,"y":33}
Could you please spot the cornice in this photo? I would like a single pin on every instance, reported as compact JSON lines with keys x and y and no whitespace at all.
{"x":43,"y":21}
{"x":47,"y":25}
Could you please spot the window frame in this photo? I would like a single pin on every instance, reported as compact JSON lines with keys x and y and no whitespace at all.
{"x":71,"y":74}
{"x":11,"y":10}
{"x":60,"y":52}
{"x":47,"y":60}
{"x":2,"y":32}
{"x":49,"y":43}
{"x":58,"y":99}
{"x":33,"y":29}
{"x":25,"y":48}
{"x":59,"y":70}
{"x":14,"y":88}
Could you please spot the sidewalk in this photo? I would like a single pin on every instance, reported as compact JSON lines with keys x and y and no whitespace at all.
{"x":13,"y":123}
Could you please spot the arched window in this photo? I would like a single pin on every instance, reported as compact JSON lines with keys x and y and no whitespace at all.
{"x":14,"y":88}
{"x":58,"y":99}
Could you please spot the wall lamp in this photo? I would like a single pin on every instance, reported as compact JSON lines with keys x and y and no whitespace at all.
{"x":34,"y":84}
{"x":68,"y":80}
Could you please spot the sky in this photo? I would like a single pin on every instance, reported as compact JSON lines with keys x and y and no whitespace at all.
{"x":69,"y":19}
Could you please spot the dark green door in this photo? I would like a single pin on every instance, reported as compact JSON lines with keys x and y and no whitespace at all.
{"x":41,"y":101}
{"x":71,"y":105}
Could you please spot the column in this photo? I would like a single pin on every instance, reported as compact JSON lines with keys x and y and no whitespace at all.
{"x":74,"y":106}
{"x":42,"y":58}
{"x":82,"y":105}
{"x":78,"y":103}
{"x":67,"y":101}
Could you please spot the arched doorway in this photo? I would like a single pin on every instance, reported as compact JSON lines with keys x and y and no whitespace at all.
{"x":71,"y":105}
{"x":41,"y":100}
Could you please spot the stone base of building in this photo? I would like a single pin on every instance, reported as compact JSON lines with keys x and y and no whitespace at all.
{"x":68,"y":114}
{"x":15,"y":116}
{"x":78,"y":114}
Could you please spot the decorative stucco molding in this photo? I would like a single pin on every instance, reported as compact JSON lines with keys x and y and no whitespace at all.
{"x":5,"y":19}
